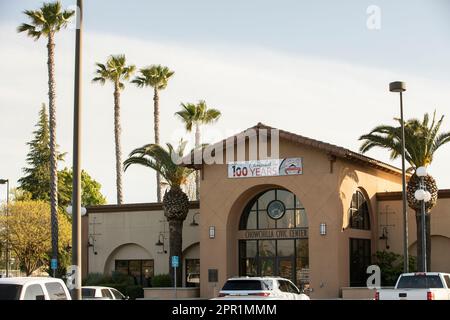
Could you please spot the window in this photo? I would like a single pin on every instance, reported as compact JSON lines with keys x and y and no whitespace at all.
{"x":359,"y":212}
{"x":292,"y":288}
{"x":106,"y":294}
{"x":88,"y":293}
{"x":447,"y":281}
{"x":140,"y":270}
{"x":10,"y":291}
{"x":192,"y":272}
{"x":420,"y":282}
{"x":34,"y":292}
{"x":283,"y":286}
{"x":55,"y":291}
{"x":360,"y":259}
{"x":117,"y":294}
{"x":256,"y":215}
{"x":237,"y":285}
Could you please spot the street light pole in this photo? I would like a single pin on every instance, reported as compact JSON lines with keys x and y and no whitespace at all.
{"x":424,"y":228}
{"x":6,"y":181}
{"x":423,"y":196}
{"x":76,"y":191}
{"x":399,"y":86}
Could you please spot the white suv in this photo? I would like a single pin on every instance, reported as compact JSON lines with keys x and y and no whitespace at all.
{"x":33,"y":288}
{"x":274,"y":288}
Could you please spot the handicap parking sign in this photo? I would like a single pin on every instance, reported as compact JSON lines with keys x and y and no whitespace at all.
{"x":175,"y":261}
{"x":54,"y":264}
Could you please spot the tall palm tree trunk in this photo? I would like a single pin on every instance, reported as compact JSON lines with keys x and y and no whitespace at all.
{"x":156,"y":129}
{"x":53,"y":155}
{"x":117,"y":132}
{"x":175,"y":246}
{"x":197,"y":173}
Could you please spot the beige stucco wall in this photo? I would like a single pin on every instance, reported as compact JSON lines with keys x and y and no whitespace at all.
{"x":132,"y":235}
{"x":390,"y":213}
{"x":325,"y":196}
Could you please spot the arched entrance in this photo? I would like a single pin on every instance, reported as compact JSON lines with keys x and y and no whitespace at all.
{"x":273,"y":237}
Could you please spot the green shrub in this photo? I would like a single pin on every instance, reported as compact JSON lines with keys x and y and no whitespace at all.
{"x":162,"y":281}
{"x":119,"y":277}
{"x":96,"y":279}
{"x":391,"y":266}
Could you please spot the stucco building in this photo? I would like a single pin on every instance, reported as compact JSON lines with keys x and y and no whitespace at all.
{"x":316,"y":213}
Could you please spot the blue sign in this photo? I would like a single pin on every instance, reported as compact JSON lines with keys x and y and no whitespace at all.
{"x":175,"y":262}
{"x":54,"y":264}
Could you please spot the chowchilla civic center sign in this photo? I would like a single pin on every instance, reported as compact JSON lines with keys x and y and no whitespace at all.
{"x":265,"y":168}
{"x":299,"y":233}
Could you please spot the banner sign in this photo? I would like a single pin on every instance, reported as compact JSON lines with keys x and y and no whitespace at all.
{"x":299,"y":233}
{"x":265,"y":168}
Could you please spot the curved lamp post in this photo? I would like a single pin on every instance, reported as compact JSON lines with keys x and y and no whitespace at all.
{"x":424,"y":196}
{"x":399,"y":86}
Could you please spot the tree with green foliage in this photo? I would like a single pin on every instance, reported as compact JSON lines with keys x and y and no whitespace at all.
{"x":193,"y":116}
{"x":29,"y":234}
{"x":90,"y":189}
{"x":36,"y":180}
{"x":422,"y":139}
{"x":46,"y":22}
{"x":175,"y":201}
{"x":157,"y":77}
{"x":115,"y":71}
{"x":35,"y":185}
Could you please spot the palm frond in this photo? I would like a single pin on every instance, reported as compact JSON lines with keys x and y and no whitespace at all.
{"x":162,"y":160}
{"x":422,"y":139}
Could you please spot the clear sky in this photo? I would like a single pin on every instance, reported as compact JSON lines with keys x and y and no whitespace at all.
{"x":311,"y":67}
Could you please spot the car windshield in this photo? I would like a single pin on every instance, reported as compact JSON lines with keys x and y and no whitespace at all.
{"x":419,"y":282}
{"x":87,"y":293}
{"x":10,"y":291}
{"x":236,"y":285}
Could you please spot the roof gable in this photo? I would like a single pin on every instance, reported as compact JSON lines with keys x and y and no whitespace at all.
{"x":328,"y":148}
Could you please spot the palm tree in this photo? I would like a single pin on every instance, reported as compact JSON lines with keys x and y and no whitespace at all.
{"x":115,"y":70}
{"x":195,"y":115}
{"x":422,"y":140}
{"x":157,"y":77}
{"x":175,"y":201}
{"x":46,"y":22}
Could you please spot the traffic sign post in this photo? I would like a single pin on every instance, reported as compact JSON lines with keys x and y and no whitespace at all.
{"x":175,"y":264}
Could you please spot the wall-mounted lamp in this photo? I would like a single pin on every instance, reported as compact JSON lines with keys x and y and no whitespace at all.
{"x":160,"y":243}
{"x":90,"y":243}
{"x":194,"y":223}
{"x":323,"y":229}
{"x":212,"y":232}
{"x":384,"y":236}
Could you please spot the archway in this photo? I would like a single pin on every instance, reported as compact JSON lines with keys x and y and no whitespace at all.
{"x":440,"y":260}
{"x":131,"y":259}
{"x":272,"y":237}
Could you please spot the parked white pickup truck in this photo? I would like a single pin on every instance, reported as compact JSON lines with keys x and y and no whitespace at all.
{"x":418,"y":286}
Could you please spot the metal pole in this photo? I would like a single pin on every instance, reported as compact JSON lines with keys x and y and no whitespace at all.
{"x":76,"y":191}
{"x":175,"y":277}
{"x":424,"y":238}
{"x":7,"y":230}
{"x":405,"y":214}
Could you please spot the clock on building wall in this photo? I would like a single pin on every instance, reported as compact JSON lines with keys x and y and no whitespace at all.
{"x":276,"y":209}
